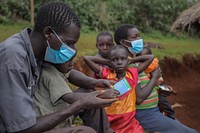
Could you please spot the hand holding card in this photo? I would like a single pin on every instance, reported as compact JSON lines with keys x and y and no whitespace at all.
{"x":122,"y":86}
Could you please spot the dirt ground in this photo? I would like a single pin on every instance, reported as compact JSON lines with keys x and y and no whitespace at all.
{"x":184,"y":77}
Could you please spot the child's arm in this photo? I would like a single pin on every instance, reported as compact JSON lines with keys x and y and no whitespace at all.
{"x":145,"y":61}
{"x":93,"y":62}
{"x":143,"y":92}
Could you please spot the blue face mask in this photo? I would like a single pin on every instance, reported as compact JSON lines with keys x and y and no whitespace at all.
{"x":64,"y":54}
{"x":137,"y":46}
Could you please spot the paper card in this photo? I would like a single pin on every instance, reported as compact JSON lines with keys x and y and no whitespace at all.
{"x":122,"y":86}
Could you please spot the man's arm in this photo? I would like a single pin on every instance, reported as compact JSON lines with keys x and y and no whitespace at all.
{"x":86,"y":101}
{"x":20,"y":104}
{"x":80,"y":79}
{"x":47,"y":122}
{"x":144,"y":92}
{"x":72,"y":97}
{"x":145,"y":61}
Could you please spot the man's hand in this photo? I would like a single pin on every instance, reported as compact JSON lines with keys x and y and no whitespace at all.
{"x":102,"y":84}
{"x":93,"y":100}
{"x":109,"y":93}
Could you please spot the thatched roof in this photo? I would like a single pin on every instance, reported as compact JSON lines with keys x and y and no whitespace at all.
{"x":189,"y":20}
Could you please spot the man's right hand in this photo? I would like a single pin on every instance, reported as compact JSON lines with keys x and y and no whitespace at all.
{"x":109,"y":93}
{"x":94,"y":100}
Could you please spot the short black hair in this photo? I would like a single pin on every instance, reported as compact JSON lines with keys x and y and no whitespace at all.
{"x":57,"y":15}
{"x":122,"y":32}
{"x":116,"y":47}
{"x":104,"y":33}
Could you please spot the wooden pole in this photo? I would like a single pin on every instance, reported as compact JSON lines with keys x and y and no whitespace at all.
{"x":32,"y":11}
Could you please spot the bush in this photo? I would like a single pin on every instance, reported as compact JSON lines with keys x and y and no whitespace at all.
{"x":99,"y":15}
{"x":13,"y":10}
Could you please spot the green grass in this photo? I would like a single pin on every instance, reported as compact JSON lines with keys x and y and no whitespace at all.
{"x":87,"y":44}
{"x":177,"y":47}
{"x":173,"y":46}
{"x":8,"y":30}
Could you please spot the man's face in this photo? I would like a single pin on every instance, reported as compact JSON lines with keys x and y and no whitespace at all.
{"x":104,"y":43}
{"x":119,"y":59}
{"x":70,"y":37}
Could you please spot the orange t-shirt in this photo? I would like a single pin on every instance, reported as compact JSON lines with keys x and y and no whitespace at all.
{"x":154,"y":64}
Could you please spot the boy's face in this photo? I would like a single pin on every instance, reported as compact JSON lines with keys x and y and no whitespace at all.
{"x":104,"y":44}
{"x":65,"y":67}
{"x":133,"y":34}
{"x":119,"y":59}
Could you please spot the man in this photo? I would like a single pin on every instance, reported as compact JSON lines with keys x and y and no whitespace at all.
{"x":21,"y":56}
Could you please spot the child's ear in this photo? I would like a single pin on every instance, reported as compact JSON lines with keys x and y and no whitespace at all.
{"x":121,"y":41}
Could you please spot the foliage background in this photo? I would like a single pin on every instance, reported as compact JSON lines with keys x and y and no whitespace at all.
{"x":98,"y":15}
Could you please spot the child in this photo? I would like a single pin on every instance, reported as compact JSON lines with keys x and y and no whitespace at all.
{"x":104,"y":42}
{"x":53,"y":94}
{"x":164,"y":105}
{"x":121,"y":114}
{"x":148,"y":113}
{"x":48,"y":96}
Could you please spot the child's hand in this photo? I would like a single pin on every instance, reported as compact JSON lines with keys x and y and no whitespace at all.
{"x":102,"y":84}
{"x":156,"y":73}
{"x":108,"y":63}
{"x":165,"y":90}
{"x":129,"y":60}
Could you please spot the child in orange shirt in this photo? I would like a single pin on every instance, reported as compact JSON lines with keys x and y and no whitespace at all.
{"x":121,"y":114}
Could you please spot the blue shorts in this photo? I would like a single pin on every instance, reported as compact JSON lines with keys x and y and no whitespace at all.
{"x":153,"y":120}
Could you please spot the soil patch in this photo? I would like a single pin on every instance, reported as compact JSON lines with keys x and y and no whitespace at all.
{"x":184,"y":77}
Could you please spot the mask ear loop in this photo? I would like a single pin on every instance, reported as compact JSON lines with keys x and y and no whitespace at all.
{"x":126,"y":45}
{"x":48,"y":43}
{"x":57,"y":36}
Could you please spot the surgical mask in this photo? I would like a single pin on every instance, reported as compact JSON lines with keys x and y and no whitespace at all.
{"x":64,"y":54}
{"x":137,"y":46}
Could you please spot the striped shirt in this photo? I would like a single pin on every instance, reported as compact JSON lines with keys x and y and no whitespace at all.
{"x":152,"y":100}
